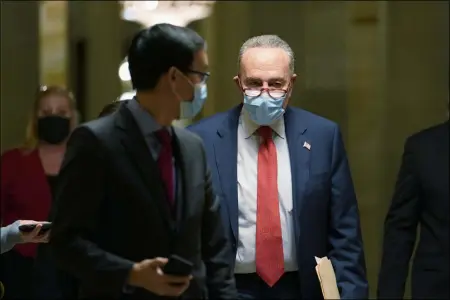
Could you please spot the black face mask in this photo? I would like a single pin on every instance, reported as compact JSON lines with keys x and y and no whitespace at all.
{"x":53,"y":129}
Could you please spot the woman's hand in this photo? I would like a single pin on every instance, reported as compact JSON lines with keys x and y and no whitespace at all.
{"x":33,"y":236}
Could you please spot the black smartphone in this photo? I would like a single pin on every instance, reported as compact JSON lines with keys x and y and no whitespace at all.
{"x":178,"y":266}
{"x":30,"y":227}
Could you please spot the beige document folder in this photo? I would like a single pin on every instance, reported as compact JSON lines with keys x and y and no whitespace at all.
{"x":327,"y":278}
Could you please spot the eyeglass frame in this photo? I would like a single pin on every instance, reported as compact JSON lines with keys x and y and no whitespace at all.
{"x":268,"y":90}
{"x":205,"y":75}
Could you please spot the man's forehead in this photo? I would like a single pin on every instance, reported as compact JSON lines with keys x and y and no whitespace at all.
{"x":264,"y":61}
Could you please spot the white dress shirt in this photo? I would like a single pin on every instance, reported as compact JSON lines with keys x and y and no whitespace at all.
{"x":247,"y":177}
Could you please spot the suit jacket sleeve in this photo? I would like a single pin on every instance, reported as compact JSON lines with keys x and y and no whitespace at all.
{"x":347,"y":253}
{"x":400,"y":229}
{"x":216,"y":249}
{"x":80,"y":194}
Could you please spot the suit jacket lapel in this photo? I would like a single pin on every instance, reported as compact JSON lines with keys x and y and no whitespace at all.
{"x":225,"y":149}
{"x":138,"y":152}
{"x":299,"y":156}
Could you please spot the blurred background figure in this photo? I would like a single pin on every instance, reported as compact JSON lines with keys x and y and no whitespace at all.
{"x":421,"y":198}
{"x":29,"y":175}
{"x":49,"y":282}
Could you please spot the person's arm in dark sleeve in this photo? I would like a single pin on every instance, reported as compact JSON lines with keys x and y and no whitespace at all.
{"x":400,"y":230}
{"x":346,"y":245}
{"x":80,"y":193}
{"x":216,"y":249}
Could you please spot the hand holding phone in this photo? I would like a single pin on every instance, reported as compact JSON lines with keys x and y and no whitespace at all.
{"x":178,"y":266}
{"x":27,"y":227}
{"x":149,"y":274}
{"x":34,"y":232}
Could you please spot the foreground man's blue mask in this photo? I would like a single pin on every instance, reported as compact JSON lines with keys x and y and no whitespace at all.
{"x":189,"y":109}
{"x":264,"y":110}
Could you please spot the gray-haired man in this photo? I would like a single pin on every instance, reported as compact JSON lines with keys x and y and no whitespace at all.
{"x":284,"y":178}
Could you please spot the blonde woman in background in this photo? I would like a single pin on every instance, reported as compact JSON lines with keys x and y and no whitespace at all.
{"x":28,"y":179}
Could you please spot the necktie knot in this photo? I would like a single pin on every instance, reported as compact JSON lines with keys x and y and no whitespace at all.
{"x":164,"y":137}
{"x":265,"y":132}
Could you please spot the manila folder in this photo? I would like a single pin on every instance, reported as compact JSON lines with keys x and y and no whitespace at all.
{"x":327,"y":278}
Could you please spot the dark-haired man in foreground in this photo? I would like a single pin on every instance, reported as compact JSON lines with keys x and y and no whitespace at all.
{"x":135,"y":190}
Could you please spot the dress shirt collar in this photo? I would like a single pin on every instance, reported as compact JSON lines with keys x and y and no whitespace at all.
{"x":145,"y":121}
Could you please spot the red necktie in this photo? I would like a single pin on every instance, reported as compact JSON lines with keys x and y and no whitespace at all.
{"x":269,"y":241}
{"x":165,"y":163}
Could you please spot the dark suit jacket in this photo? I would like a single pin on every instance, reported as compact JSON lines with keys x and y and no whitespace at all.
{"x":324,"y":204}
{"x":111,"y":212}
{"x":421,"y":198}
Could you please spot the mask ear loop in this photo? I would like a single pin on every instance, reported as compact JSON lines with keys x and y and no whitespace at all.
{"x":289,"y":90}
{"x":180,"y":99}
{"x":173,"y":85}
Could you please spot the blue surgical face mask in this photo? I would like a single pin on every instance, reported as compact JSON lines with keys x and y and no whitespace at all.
{"x":264,"y":110}
{"x":189,"y":109}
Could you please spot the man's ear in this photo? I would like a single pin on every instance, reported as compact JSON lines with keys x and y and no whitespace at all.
{"x":286,"y":102}
{"x":172,"y":73}
{"x":237,"y":82}
{"x":293,"y":78}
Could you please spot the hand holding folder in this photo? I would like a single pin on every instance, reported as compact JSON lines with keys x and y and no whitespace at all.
{"x":327,"y":278}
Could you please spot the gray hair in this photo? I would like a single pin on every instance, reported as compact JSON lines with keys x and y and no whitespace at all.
{"x":267,"y":41}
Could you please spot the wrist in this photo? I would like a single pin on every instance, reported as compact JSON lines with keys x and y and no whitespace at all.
{"x":134,"y":275}
{"x":13,"y":234}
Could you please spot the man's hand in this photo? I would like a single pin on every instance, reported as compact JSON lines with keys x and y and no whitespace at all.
{"x":148,"y":274}
{"x":33,"y":236}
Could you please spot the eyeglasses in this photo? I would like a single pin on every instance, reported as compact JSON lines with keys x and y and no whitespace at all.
{"x":273,"y":93}
{"x":203,"y":75}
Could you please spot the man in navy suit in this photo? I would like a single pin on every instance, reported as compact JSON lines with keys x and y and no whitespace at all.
{"x":283,"y":175}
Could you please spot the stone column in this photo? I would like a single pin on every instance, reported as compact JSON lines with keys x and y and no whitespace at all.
{"x":365,"y":107}
{"x":104,"y":41}
{"x":223,"y":47}
{"x":19,"y":68}
{"x":417,"y":78}
{"x":416,"y":85}
{"x":322,"y":60}
{"x":53,"y":39}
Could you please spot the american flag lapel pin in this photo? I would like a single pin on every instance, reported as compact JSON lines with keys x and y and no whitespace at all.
{"x":307,"y":146}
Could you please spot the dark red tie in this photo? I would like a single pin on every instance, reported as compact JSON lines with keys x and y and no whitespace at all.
{"x":165,"y":163}
{"x":269,"y":241}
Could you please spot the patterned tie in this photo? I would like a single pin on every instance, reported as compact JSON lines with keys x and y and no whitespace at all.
{"x":269,"y":241}
{"x":165,"y":163}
